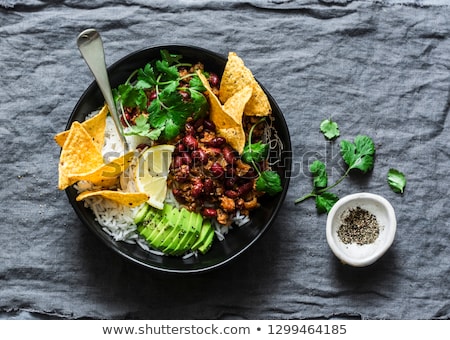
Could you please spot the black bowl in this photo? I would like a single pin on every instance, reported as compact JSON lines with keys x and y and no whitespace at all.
{"x":237,"y":240}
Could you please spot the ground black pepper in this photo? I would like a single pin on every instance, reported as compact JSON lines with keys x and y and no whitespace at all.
{"x":358,"y":226}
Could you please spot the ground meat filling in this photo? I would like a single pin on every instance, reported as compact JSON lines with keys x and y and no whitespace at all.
{"x":207,"y":175}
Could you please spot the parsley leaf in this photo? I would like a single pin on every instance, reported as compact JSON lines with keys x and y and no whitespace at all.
{"x":318,"y":169}
{"x":329,"y":128}
{"x":256,"y":152}
{"x":269,"y":182}
{"x":360,"y":154}
{"x":146,"y":77}
{"x":396,"y":180}
{"x":170,"y":58}
{"x":130,"y":96}
{"x":195,"y":84}
{"x":142,"y":128}
{"x":325,"y":201}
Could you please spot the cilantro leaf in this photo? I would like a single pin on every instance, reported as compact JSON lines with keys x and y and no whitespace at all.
{"x":167,"y":72}
{"x":396,"y":180}
{"x":196,"y":84}
{"x":171,"y":129}
{"x":142,"y":128}
{"x":198,"y":104}
{"x":325,"y":201}
{"x":146,"y":77}
{"x":360,"y":154}
{"x":318,"y":169}
{"x":256,"y":152}
{"x":170,"y":58}
{"x":329,"y":128}
{"x":269,"y":182}
{"x":130,"y":96}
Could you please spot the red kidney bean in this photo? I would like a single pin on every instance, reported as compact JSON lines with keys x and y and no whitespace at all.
{"x":181,"y":147}
{"x":230,"y":182}
{"x":199,"y":123}
{"x":209,"y":212}
{"x":208,"y":186}
{"x":217,"y":142}
{"x":209,"y":125}
{"x":231,"y":194}
{"x":190,"y":142}
{"x":152,"y":96}
{"x":217,"y":170}
{"x":200,"y":155}
{"x":245,"y":188}
{"x":213,"y":79}
{"x":197,"y":188}
{"x":229,"y":154}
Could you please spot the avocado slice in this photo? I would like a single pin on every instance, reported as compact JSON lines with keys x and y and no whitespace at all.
{"x":162,"y":230}
{"x":191,"y":233}
{"x":141,"y":214}
{"x":207,"y":242}
{"x":205,"y":231}
{"x":148,"y":226}
{"x":195,"y":227}
{"x":181,"y":227}
{"x":172,"y":218}
{"x":152,"y":221}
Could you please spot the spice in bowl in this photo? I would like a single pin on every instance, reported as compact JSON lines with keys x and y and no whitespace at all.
{"x":361,"y":228}
{"x":358,"y":226}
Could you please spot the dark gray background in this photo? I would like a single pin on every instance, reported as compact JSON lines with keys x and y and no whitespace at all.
{"x":380,"y":69}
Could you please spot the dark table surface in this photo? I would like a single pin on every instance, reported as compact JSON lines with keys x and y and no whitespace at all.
{"x":380,"y":69}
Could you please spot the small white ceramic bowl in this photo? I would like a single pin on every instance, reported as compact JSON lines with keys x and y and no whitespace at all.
{"x":362,"y":255}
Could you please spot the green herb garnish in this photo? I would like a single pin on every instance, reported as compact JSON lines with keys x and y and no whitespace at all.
{"x":329,"y":128}
{"x":268,"y":181}
{"x":396,"y":180}
{"x":168,"y":109}
{"x":357,"y":155}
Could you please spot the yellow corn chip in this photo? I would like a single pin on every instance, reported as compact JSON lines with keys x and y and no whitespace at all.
{"x":106,"y":175}
{"x":228,"y":117}
{"x":237,"y":76}
{"x":95,"y":127}
{"x":79,"y":155}
{"x":130,"y":199}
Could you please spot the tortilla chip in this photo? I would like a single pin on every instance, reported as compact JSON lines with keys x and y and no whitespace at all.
{"x":130,"y":199}
{"x":106,"y":175}
{"x":235,"y":105}
{"x":237,"y":76}
{"x":228,"y":117}
{"x":95,"y":126}
{"x":79,"y":155}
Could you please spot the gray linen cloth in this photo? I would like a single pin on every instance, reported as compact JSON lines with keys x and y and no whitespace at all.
{"x":380,"y":69}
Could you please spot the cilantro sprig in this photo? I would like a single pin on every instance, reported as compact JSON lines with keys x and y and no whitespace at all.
{"x":268,"y":181}
{"x":357,"y":155}
{"x":156,"y":90}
